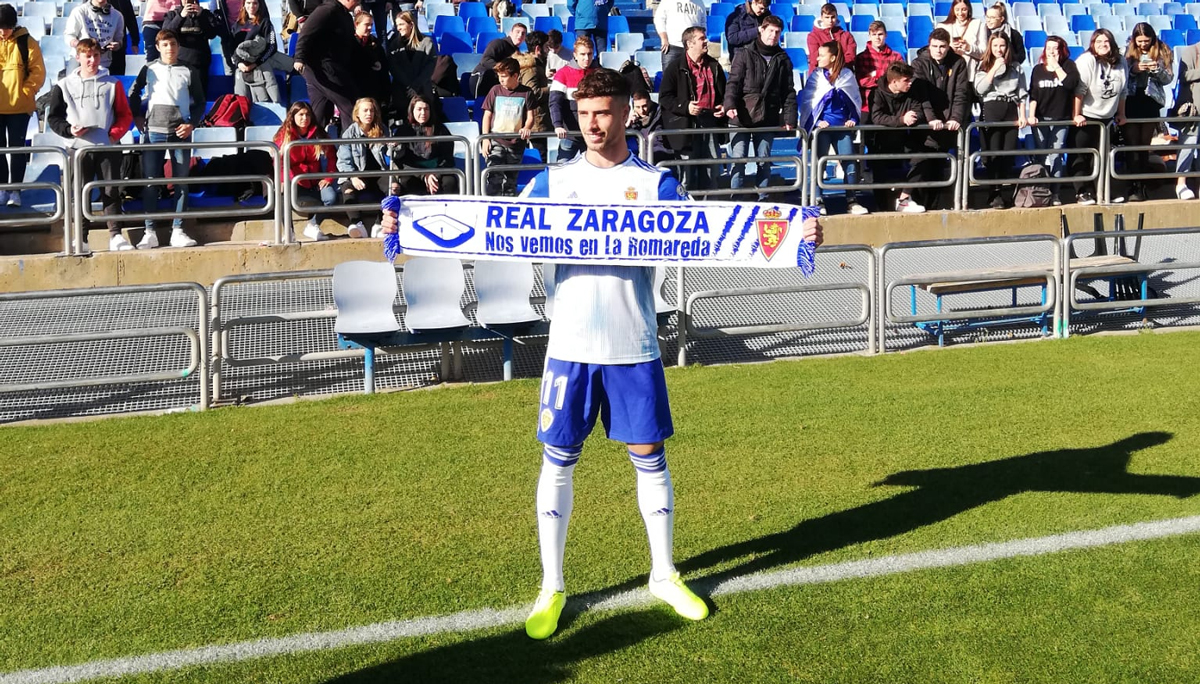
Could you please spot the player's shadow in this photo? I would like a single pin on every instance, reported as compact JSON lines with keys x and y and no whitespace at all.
{"x":514,"y":657}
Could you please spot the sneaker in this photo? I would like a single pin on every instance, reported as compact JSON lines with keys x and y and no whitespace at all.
{"x":1119,"y":199}
{"x":14,"y":198}
{"x":357,"y":230}
{"x":118,"y":243}
{"x":858,"y":209}
{"x":377,"y":230}
{"x":1136,"y":195}
{"x":543,"y":619}
{"x":1183,"y":192}
{"x":997,"y":202}
{"x":149,"y":240}
{"x":908,"y":206}
{"x":678,"y":596}
{"x":1085,"y":198}
{"x":181,"y":239}
{"x":821,"y":206}
{"x":312,"y":231}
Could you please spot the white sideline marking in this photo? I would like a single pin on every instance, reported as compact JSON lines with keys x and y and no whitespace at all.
{"x":487,"y":618}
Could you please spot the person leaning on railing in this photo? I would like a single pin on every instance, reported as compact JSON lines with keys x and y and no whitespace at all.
{"x":1052,"y":89}
{"x":1150,"y":65}
{"x":1002,"y":91}
{"x":364,"y":156}
{"x":831,"y":99}
{"x":424,"y":154}
{"x":1186,"y":105}
{"x":900,"y":103}
{"x":692,"y":95}
{"x":23,"y":74}
{"x":943,"y":76}
{"x":300,"y":123}
{"x":1099,"y":99}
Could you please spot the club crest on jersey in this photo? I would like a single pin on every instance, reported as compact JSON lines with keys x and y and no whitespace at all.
{"x":631,"y":194}
{"x":772,"y":229}
{"x":547,"y":419}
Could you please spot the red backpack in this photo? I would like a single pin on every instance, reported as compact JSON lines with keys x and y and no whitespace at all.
{"x":229,"y":110}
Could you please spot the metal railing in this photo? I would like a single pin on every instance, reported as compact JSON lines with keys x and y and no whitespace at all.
{"x":819,"y":160}
{"x":971,"y":181}
{"x":1114,"y":150}
{"x":62,"y":198}
{"x":799,"y":159}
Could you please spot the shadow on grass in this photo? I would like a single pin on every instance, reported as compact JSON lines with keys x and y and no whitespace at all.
{"x":514,"y":657}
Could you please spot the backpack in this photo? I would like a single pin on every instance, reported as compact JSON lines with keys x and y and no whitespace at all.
{"x":229,"y":110}
{"x":23,"y":48}
{"x":1030,"y":195}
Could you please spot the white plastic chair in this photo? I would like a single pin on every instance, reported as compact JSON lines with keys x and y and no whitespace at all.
{"x":433,"y":289}
{"x":266,"y":133}
{"x":365,"y":292}
{"x":219,"y":134}
{"x":502,"y":289}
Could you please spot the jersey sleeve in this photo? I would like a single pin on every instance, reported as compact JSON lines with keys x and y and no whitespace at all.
{"x":670,"y":189}
{"x":539,"y":187}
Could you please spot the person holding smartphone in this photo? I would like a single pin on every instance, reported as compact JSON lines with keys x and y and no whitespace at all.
{"x":97,"y":20}
{"x":195,"y":26}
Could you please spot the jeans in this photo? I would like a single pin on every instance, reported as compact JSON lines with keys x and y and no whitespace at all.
{"x":12,"y":134}
{"x":152,"y":167}
{"x":327,"y":196}
{"x":568,"y":148}
{"x":149,"y":32}
{"x":843,"y":144}
{"x":503,"y":183}
{"x":1187,"y":158}
{"x":1052,"y":137}
{"x":750,"y":145}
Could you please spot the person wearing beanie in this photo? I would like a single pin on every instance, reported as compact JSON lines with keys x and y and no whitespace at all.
{"x":22,"y":73}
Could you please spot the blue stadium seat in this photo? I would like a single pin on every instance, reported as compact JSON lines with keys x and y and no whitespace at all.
{"x":1047,"y":9}
{"x":455,"y":109}
{"x":919,"y":29}
{"x":1185,"y":22}
{"x":547,"y":24}
{"x":482,"y":40}
{"x":1173,"y":8}
{"x":449,"y":43}
{"x":1146,"y":9}
{"x":1083,"y":22}
{"x":448,"y":24}
{"x":920,"y":9}
{"x":865,"y":9}
{"x":1122,"y":9}
{"x":784,"y":10}
{"x":1160,"y":22}
{"x":267,"y":114}
{"x":1035,"y":39}
{"x":941,"y":10}
{"x":478,"y":25}
{"x":468,"y":10}
{"x":620,"y":25}
{"x":630,"y":42}
{"x":716,"y":28}
{"x":1174,"y":39}
{"x":722,"y":10}
{"x":650,"y":60}
{"x":799,"y":56}
{"x":1193,"y":36}
{"x":1076,"y":51}
{"x":898,"y":43}
{"x":1023,"y":9}
{"x":800,"y":22}
{"x":860,"y":23}
{"x":1073,"y":9}
{"x":891,"y":9}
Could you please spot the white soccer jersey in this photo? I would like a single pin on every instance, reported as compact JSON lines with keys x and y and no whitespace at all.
{"x":604,"y":314}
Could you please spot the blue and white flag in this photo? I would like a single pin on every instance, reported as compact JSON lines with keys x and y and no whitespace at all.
{"x":742,"y":234}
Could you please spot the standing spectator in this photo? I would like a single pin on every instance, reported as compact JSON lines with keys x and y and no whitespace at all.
{"x":562,"y":99}
{"x":378,"y":9}
{"x":321,"y":57}
{"x":301,"y":124}
{"x":942,"y":74}
{"x":303,"y":9}
{"x":760,"y":94}
{"x":741,"y":26}
{"x":591,"y":21}
{"x":897,"y":104}
{"x":411,"y":58}
{"x":995,"y":20}
{"x":1099,"y":99}
{"x":831,"y":98}
{"x":557,"y":54}
{"x":153,"y":13}
{"x":1150,"y":64}
{"x":498,"y":49}
{"x":1186,"y":106}
{"x":671,"y":19}
{"x":872,"y":62}
{"x":646,"y":116}
{"x":129,"y":18}
{"x":374,"y":82}
{"x":1052,"y":98}
{"x":508,"y":108}
{"x":966,"y":34}
{"x":693,"y":96}
{"x":365,"y":156}
{"x":425,"y":154}
{"x":96,"y":20}
{"x":23,"y":74}
{"x":195,"y":26}
{"x":1002,"y":91}
{"x":89,"y":108}
{"x":533,"y":76}
{"x":828,"y":29}
{"x":256,"y":54}
{"x":227,"y":12}
{"x":172,"y":104}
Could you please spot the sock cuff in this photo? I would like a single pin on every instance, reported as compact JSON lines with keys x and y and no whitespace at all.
{"x":654,"y":462}
{"x":563,"y":457}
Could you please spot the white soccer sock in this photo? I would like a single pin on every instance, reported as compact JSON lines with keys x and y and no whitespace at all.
{"x":555,"y":498}
{"x":656,"y":500}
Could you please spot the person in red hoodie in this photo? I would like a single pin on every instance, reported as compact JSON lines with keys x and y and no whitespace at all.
{"x":871,"y":64}
{"x":827,"y":29}
{"x":301,"y":124}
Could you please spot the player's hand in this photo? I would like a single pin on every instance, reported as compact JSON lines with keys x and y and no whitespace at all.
{"x":298,"y":66}
{"x":324,"y":183}
{"x":389,"y":222}
{"x":485,"y":146}
{"x":1021,"y":122}
{"x":812,"y":231}
{"x":78,"y":130}
{"x":849,"y":123}
{"x":524,"y":133}
{"x":560,"y":132}
{"x":665,"y":47}
{"x":1079,"y":121}
{"x":719,"y":112}
{"x":1032,"y":121}
{"x":358,"y":183}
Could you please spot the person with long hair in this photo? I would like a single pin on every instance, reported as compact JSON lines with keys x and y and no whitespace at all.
{"x":301,"y":124}
{"x":255,"y":54}
{"x":1151,"y":67}
{"x":1052,"y":98}
{"x":363,"y":156}
{"x":372,"y":61}
{"x":966,"y":32}
{"x":995,"y":20}
{"x":1099,"y":100}
{"x":421,"y":124}
{"x":411,"y":58}
{"x":1002,"y":91}
{"x":831,"y":98}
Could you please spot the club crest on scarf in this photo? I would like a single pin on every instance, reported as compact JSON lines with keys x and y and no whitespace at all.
{"x":772,"y":229}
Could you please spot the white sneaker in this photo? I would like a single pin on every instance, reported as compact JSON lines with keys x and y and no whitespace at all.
{"x":377,"y":230}
{"x":858,"y":209}
{"x":4,"y":196}
{"x":357,"y":230}
{"x":14,"y":198}
{"x":181,"y":239}
{"x":312,"y":231}
{"x":1119,"y":199}
{"x":821,"y":206}
{"x":908,"y":206}
{"x":149,"y":240}
{"x":118,"y":243}
{"x":1183,"y":192}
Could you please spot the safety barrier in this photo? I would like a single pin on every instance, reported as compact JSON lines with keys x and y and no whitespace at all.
{"x":1114,"y":150}
{"x":62,"y":198}
{"x":486,"y":169}
{"x":798,"y":159}
{"x":819,"y":160}
{"x":971,"y":181}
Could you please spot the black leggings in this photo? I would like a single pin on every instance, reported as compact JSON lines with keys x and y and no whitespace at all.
{"x":1084,"y":136}
{"x":998,"y":138}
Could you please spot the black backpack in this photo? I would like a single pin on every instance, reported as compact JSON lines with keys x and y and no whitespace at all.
{"x":1029,"y":194}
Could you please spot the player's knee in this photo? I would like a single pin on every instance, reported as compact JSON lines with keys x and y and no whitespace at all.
{"x":563,"y":457}
{"x":653,"y":462}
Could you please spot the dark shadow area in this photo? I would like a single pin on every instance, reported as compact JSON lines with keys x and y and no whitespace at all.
{"x":514,"y":657}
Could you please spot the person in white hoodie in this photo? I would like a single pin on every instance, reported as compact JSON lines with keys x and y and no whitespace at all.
{"x":831,"y":98}
{"x":89,"y":108}
{"x":96,"y":20}
{"x":671,"y":19}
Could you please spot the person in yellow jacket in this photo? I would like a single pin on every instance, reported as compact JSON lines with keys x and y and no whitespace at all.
{"x":22,"y":74}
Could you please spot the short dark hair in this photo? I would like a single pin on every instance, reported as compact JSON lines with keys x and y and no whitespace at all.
{"x":829,"y":8}
{"x":897,"y":70}
{"x":535,"y":40}
{"x":642,"y":95}
{"x":603,"y":83}
{"x":771,"y":20}
{"x":692,"y":32}
{"x":165,"y":34}
{"x":519,"y":24}
{"x":877,"y":26}
{"x":8,"y":16}
{"x":555,"y":36}
{"x":939,"y":34}
{"x":507,"y":67}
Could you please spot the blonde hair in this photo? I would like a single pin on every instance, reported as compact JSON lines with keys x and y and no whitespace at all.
{"x":415,"y":36}
{"x":376,"y":128}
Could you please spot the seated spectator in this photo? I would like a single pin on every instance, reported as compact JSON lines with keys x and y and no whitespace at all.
{"x":97,"y":20}
{"x":301,"y":124}
{"x":562,"y":99}
{"x":89,"y":109}
{"x":967,"y":35}
{"x":1150,"y":64}
{"x":167,"y":101}
{"x":741,"y":26}
{"x":1002,"y":91}
{"x":894,"y":104}
{"x":256,"y":54}
{"x":646,"y":116}
{"x":411,"y":58}
{"x":995,"y":20}
{"x":364,"y":156}
{"x":508,"y":108}
{"x":828,"y":29}
{"x":153,"y":13}
{"x":195,"y":26}
{"x":872,"y":62}
{"x":533,"y":76}
{"x":942,"y":74}
{"x":693,"y":96}
{"x":19,"y":83}
{"x":1099,"y":98}
{"x":831,"y":98}
{"x":375,"y":82}
{"x":1052,"y":98}
{"x":557,"y":54}
{"x":1186,"y":106}
{"x":421,"y":123}
{"x":498,"y":49}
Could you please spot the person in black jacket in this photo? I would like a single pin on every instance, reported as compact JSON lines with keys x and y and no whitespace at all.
{"x":125,"y":7}
{"x":741,"y":26}
{"x":484,"y":76}
{"x":897,"y":103}
{"x":760,"y":94}
{"x":692,"y":95}
{"x":943,"y":76}
{"x":374,"y":80}
{"x":195,"y":26}
{"x":323,"y":57}
{"x":422,"y":122}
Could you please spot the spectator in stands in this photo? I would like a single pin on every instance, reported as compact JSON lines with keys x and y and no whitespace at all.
{"x":97,"y":20}
{"x":646,"y":116}
{"x":195,"y":26}
{"x":591,"y":21}
{"x":1151,"y":68}
{"x":741,"y":26}
{"x":153,"y":12}
{"x":995,"y":20}
{"x":671,"y":19}
{"x":1002,"y":90}
{"x":831,"y":98}
{"x":966,"y":33}
{"x":1099,"y":99}
{"x":424,"y":154}
{"x":1186,"y":106}
{"x":557,"y":55}
{"x":942,"y":78}
{"x":303,"y":9}
{"x":829,"y":29}
{"x":129,"y":17}
{"x":167,"y":102}
{"x":378,"y":9}
{"x":301,"y":124}
{"x":411,"y":57}
{"x":759,"y":94}
{"x":533,"y":76}
{"x":562,"y":99}
{"x":89,"y":108}
{"x":693,"y":96}
{"x":23,"y":74}
{"x":872,"y":62}
{"x":898,"y":104}
{"x":1052,"y":89}
{"x":508,"y":108}
{"x":374,"y":81}
{"x":498,"y":49}
{"x":363,"y":157}
{"x":325,"y":42}
{"x":256,"y":54}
